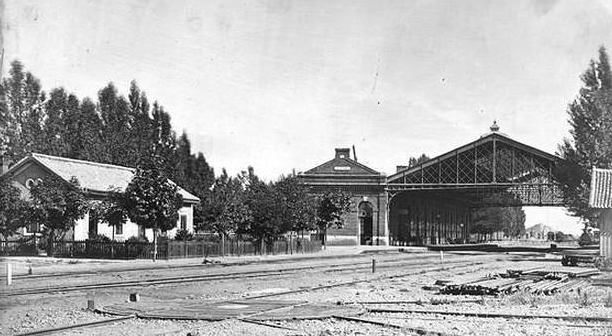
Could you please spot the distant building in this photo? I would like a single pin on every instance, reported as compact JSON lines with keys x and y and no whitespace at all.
{"x":96,"y":180}
{"x":538,"y":231}
{"x":601,"y":198}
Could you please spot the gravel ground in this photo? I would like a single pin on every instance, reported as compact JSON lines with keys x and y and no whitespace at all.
{"x":28,"y":313}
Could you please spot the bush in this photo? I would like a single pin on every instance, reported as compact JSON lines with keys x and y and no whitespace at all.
{"x":135,"y":239}
{"x":586,"y":239}
{"x":94,"y":237}
{"x":183,"y":235}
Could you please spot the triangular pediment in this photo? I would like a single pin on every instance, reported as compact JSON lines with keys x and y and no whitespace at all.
{"x":341,"y":166}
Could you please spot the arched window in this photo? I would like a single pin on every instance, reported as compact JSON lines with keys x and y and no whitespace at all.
{"x":30,"y":183}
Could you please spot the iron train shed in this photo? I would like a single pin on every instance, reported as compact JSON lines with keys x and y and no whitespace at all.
{"x":430,"y":203}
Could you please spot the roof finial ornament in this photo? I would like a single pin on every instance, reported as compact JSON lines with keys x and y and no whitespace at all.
{"x":494,"y":127}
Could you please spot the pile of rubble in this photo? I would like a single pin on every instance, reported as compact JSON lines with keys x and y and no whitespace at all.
{"x":536,"y":281}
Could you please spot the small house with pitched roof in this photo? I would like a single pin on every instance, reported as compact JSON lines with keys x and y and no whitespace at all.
{"x":96,"y":180}
{"x":601,"y":198}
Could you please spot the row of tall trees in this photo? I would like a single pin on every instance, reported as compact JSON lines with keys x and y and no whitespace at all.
{"x":132,"y":132}
{"x":490,"y":222}
{"x":113,"y":129}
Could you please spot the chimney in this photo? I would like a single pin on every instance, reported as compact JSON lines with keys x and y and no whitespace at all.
{"x":400,"y":168}
{"x":343,"y":153}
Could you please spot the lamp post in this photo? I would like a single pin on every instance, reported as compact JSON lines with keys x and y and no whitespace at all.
{"x":462,"y":234}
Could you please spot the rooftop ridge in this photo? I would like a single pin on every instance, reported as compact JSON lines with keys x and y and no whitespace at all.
{"x":92,"y":163}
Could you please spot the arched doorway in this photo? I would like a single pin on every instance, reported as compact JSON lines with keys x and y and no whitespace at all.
{"x":365,"y":223}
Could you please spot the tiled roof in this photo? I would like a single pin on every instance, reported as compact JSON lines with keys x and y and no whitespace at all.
{"x":94,"y":176}
{"x":601,"y":188}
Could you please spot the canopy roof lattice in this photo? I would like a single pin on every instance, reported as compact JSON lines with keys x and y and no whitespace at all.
{"x":494,"y":170}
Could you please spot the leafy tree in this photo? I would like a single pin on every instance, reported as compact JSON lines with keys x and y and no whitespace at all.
{"x":152,"y":201}
{"x":414,"y":161}
{"x":200,"y":183}
{"x":12,"y":210}
{"x":267,"y":215}
{"x":225,"y":209}
{"x":299,"y":204}
{"x":112,"y":210}
{"x":86,"y":141}
{"x":563,"y":237}
{"x":509,"y":220}
{"x":57,"y":112}
{"x":56,"y":204}
{"x":140,"y":145}
{"x":163,"y":138}
{"x":116,"y":125}
{"x":513,"y":220}
{"x":590,"y":118}
{"x":21,"y":113}
{"x":330,"y":208}
{"x":486,"y":221}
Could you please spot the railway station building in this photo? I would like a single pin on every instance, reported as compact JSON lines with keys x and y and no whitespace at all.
{"x":432,"y":202}
{"x":96,"y":180}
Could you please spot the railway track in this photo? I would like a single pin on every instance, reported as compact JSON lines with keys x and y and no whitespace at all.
{"x":161,"y":267}
{"x":450,"y":265}
{"x":364,"y":266}
{"x":76,"y":326}
{"x":458,"y":264}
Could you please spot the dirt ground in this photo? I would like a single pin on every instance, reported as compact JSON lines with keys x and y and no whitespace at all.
{"x":20,"y":314}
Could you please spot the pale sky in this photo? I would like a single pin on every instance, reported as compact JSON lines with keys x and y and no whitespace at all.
{"x":279,"y":84}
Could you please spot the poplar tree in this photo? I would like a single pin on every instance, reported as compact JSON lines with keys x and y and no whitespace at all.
{"x":116,"y":125}
{"x":590,"y":145}
{"x":88,"y":141}
{"x":21,"y":113}
{"x":54,"y":129}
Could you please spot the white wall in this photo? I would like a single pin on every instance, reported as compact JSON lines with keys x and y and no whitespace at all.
{"x":186,"y":210}
{"x":81,"y":228}
{"x":129,"y":230}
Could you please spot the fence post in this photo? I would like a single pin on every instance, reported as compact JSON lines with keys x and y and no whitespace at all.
{"x":9,"y":274}
{"x":168,"y":256}
{"x":222,"y":245}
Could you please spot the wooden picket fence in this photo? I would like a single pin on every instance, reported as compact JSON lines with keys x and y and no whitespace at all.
{"x":166,"y":249}
{"x":191,"y":249}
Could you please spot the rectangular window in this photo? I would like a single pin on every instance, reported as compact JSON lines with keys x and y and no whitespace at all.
{"x":183,"y":222}
{"x":119,"y":229}
{"x":93,"y":225}
{"x":32,"y":228}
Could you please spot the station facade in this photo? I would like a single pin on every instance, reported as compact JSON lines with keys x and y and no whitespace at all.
{"x":431,"y":203}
